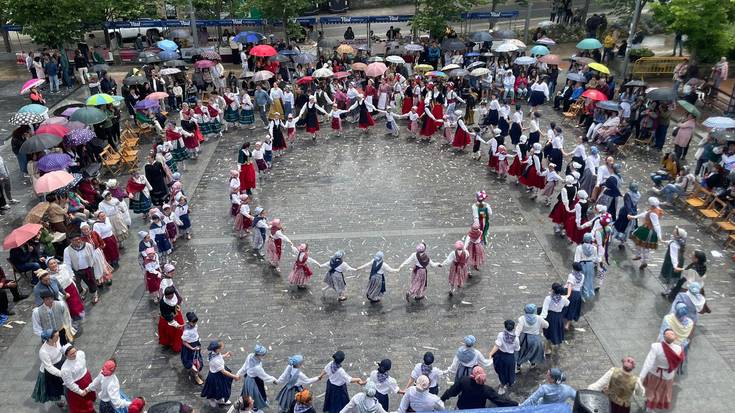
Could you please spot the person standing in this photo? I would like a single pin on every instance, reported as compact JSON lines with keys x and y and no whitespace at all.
{"x":52,"y":70}
{"x":376,"y":281}
{"x":474,"y":393}
{"x":418,"y":399}
{"x":673,"y":264}
{"x":427,"y":369}
{"x":553,"y":391}
{"x":293,"y":380}
{"x":553,"y":312}
{"x":528,"y":330}
{"x":191,"y":349}
{"x":171,"y":322}
{"x":503,"y":356}
{"x":646,"y":236}
{"x":335,"y":277}
{"x":659,"y":370}
{"x":53,"y":315}
{"x":13,"y":287}
{"x":383,"y":383}
{"x":49,"y":384}
{"x":419,"y":275}
{"x":76,"y":380}
{"x":466,"y":358}
{"x":619,"y":384}
{"x":107,"y":387}
{"x":458,"y":270}
{"x":218,"y":386}
{"x":336,"y":396}
{"x":365,"y":402}
{"x":255,"y":378}
{"x":481,"y":212}
{"x":719,"y":73}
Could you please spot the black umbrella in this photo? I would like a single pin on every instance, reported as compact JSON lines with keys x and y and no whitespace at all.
{"x":636,"y":83}
{"x":504,"y":34}
{"x":661,"y":94}
{"x":327,"y":43}
{"x":149,"y":59}
{"x":134,"y":80}
{"x":453,"y":45}
{"x":175,"y":63}
{"x":39,"y":143}
{"x":100,"y":67}
{"x":481,"y":37}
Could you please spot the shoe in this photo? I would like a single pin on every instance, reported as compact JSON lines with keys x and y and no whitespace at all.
{"x":644,"y":265}
{"x":408,"y":297}
{"x":20,"y":297}
{"x":225,"y":403}
{"x":501,"y":390}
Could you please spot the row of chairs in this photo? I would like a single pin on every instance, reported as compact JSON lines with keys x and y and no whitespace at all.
{"x":125,"y":158}
{"x":716,"y":213}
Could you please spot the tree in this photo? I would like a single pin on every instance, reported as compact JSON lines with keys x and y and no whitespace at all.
{"x":284,"y":11}
{"x":706,"y":23}
{"x":434,"y":15}
{"x":4,"y":19}
{"x":622,"y":9}
{"x":50,"y":23}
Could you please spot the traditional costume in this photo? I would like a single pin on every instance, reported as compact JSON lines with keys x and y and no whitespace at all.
{"x":528,"y":329}
{"x":217,"y":387}
{"x":646,"y":236}
{"x":586,"y":255}
{"x":107,"y":386}
{"x":575,"y":280}
{"x":335,"y":278}
{"x":481,"y":212}
{"x":254,"y":378}
{"x":459,"y":263}
{"x":574,"y":224}
{"x":301,"y":272}
{"x":49,"y":383}
{"x":139,"y":187}
{"x":419,"y":275}
{"x":171,"y":321}
{"x":466,"y":358}
{"x":247,"y":170}
{"x":658,"y":374}
{"x":462,"y":137}
{"x":76,"y":378}
{"x":475,"y":246}
{"x":553,"y":312}
{"x":336,"y":396}
{"x":293,"y":381}
{"x":531,"y":178}
{"x":504,"y":359}
{"x":563,"y":208}
{"x":376,"y":281}
{"x":275,"y":131}
{"x":274,"y":243}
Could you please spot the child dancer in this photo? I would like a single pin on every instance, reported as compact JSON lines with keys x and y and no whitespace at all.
{"x":503,"y":162}
{"x":390,"y":120}
{"x":335,"y":277}
{"x":413,"y":121}
{"x":551,"y":178}
{"x":448,"y":127}
{"x":301,"y":272}
{"x":158,"y":231}
{"x":182,"y":213}
{"x":531,"y":178}
{"x":276,"y":129}
{"x":171,"y":222}
{"x":335,"y":115}
{"x":477,"y":142}
{"x":492,"y":152}
{"x":153,"y":275}
{"x":243,"y":220}
{"x":419,"y":272}
{"x":458,"y":272}
{"x":291,"y":128}
{"x":259,"y":156}
{"x":462,"y":136}
{"x":473,"y":241}
{"x":268,"y":152}
{"x":274,"y":244}
{"x":260,"y":224}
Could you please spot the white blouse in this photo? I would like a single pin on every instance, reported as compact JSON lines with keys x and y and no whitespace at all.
{"x":434,"y":375}
{"x":572,"y":281}
{"x":104,"y":229}
{"x":51,"y":355}
{"x":339,"y":377}
{"x":216,"y":363}
{"x":190,"y":335}
{"x":549,"y":305}
{"x":108,"y":390}
{"x":73,"y":370}
{"x":534,"y":329}
{"x":254,"y":368}
{"x":388,"y":386}
{"x":289,"y":372}
{"x":507,"y":347}
{"x":64,"y":276}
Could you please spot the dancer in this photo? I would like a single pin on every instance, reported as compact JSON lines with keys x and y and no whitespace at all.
{"x":383,"y":383}
{"x":531,"y":178}
{"x":247,"y":116}
{"x":575,"y":280}
{"x":182,"y":213}
{"x":260,"y":225}
{"x":427,"y":369}
{"x":191,"y":349}
{"x":365,"y":119}
{"x":564,"y":205}
{"x":553,"y":312}
{"x":274,"y":244}
{"x":293,"y":380}
{"x":243,"y":220}
{"x":553,"y":391}
{"x":673,"y":264}
{"x":462,"y":137}
{"x":458,"y":272}
{"x":619,"y":384}
{"x":336,"y":396}
{"x":65,"y":277}
{"x":503,"y":356}
{"x":309,"y":111}
{"x":646,"y":236}
{"x":171,"y":322}
{"x":335,"y":277}
{"x":49,"y":383}
{"x":255,"y":378}
{"x":503,"y":157}
{"x":218,"y":385}
{"x":475,"y":246}
{"x":376,"y":282}
{"x":276,"y":129}
{"x":419,"y":274}
{"x":521,"y":154}
{"x":291,"y":128}
{"x":574,"y":225}
{"x":336,"y":116}
{"x":474,"y":393}
{"x":551,"y":179}
{"x":365,"y":401}
{"x":417,"y":398}
{"x":107,"y":387}
{"x":152,"y":268}
{"x":247,"y":169}
{"x":76,"y":379}
{"x":301,"y":272}
{"x":624,"y":226}
{"x":158,"y":231}
{"x":586,"y":255}
{"x":466,"y":358}
{"x":481,"y":212}
{"x":171,"y":223}
{"x":659,"y":370}
{"x":528,"y":330}
{"x":413,"y":121}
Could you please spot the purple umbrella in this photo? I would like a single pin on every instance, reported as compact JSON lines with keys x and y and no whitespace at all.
{"x":75,"y":125}
{"x":146,"y":104}
{"x":79,"y":137}
{"x":54,"y":162}
{"x":68,"y":112}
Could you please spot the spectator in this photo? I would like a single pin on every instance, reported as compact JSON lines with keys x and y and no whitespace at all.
{"x":52,"y":70}
{"x":705,"y":152}
{"x":683,"y":136}
{"x":349,"y":34}
{"x":6,"y":284}
{"x":670,"y":166}
{"x":25,"y":258}
{"x":80,"y":64}
{"x":719,"y":72}
{"x":608,"y":45}
{"x":678,"y":42}
{"x":681,"y":186}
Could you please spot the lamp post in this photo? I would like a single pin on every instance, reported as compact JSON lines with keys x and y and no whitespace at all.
{"x":631,"y":35}
{"x":193,"y":23}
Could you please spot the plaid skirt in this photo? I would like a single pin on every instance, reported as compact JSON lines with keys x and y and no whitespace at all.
{"x":179,"y":154}
{"x":247,"y":117}
{"x":210,"y":128}
{"x":231,"y":115}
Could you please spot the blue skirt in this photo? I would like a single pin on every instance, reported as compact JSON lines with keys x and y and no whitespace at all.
{"x":532,"y":349}
{"x":462,"y":371}
{"x":285,"y":396}
{"x":163,"y":243}
{"x":505,"y":365}
{"x":492,"y":118}
{"x":588,"y":287}
{"x":140,"y":204}
{"x":336,"y":398}
{"x":217,"y":386}
{"x":247,"y":117}
{"x":268,"y":156}
{"x":555,"y":332}
{"x":255,"y":388}
{"x":383,"y":399}
{"x":574,"y":309}
{"x":188,"y":356}
{"x":185,"y":222}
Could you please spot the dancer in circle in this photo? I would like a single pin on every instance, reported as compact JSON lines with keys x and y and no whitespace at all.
{"x":466,"y":358}
{"x":274,"y":243}
{"x":646,"y":236}
{"x":383,"y":383}
{"x":335,"y":277}
{"x":312,"y":118}
{"x":528,"y":330}
{"x":475,"y":246}
{"x":503,"y":356}
{"x":218,"y":385}
{"x":191,"y":349}
{"x":336,"y":396}
{"x":481,"y":212}
{"x":553,"y":312}
{"x":575,"y":280}
{"x":293,"y":380}
{"x":426,"y":368}
{"x":376,"y":282}
{"x":247,"y":169}
{"x":255,"y":378}
{"x":419,"y":274}
{"x":458,"y":272}
{"x":301,"y":272}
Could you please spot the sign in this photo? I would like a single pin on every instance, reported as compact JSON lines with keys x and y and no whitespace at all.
{"x":510,"y":14}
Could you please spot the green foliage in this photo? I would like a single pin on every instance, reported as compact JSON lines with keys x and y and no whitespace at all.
{"x":433,"y":15}
{"x":622,"y":9}
{"x":50,"y":23}
{"x":641,"y":52}
{"x":278,"y":10}
{"x":706,"y":23}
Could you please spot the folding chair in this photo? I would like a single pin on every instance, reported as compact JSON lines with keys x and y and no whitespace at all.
{"x":716,"y":209}
{"x":111,"y":160}
{"x":573,"y":111}
{"x":699,"y":198}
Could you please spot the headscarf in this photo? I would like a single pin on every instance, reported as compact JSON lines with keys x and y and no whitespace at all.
{"x":377,"y":262}
{"x":466,"y":353}
{"x":108,"y":368}
{"x":303,"y":401}
{"x":260,"y":350}
{"x":426,"y":368}
{"x":422,"y":383}
{"x":557,"y":375}
{"x":681,"y":313}
{"x":46,"y":334}
{"x":336,"y":261}
{"x":368,"y":404}
{"x":295,"y":360}
{"x":478,"y":375}
{"x":508,"y":336}
{"x":530,"y":310}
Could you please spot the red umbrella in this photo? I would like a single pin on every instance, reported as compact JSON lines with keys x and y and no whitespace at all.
{"x":341,"y":75}
{"x":21,"y":235}
{"x":157,"y":96}
{"x":53,"y":181}
{"x":305,"y":80}
{"x":263,"y":50}
{"x":56,"y":130}
{"x":594,"y":94}
{"x":29,"y":84}
{"x":203,"y":64}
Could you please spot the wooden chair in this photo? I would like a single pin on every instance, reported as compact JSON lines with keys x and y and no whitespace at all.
{"x":727,"y":224}
{"x":128,"y":156}
{"x":111,"y":160}
{"x":716,"y":209}
{"x":574,"y":110}
{"x":129,"y":136}
{"x":699,"y":198}
{"x":730,"y":240}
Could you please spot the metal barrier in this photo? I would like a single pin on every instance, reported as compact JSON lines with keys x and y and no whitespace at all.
{"x":656,"y":66}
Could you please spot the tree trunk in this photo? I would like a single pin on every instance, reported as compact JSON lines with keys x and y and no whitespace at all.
{"x":6,"y":40}
{"x":107,"y":36}
{"x":585,"y":10}
{"x":285,"y":27}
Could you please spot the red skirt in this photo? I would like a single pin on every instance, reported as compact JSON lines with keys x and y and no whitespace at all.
{"x":169,"y":336}
{"x":493,"y":162}
{"x":313,"y":129}
{"x":368,"y":121}
{"x":658,"y":392}
{"x":192,"y":142}
{"x":407,"y":105}
{"x":532,"y":179}
{"x":152,"y":282}
{"x":172,"y":231}
{"x":247,"y":176}
{"x":81,"y":404}
{"x":74,"y":301}
{"x":234,"y":209}
{"x":516,"y":169}
{"x":461,"y":138}
{"x":558,"y":213}
{"x":336,"y":123}
{"x":477,"y":253}
{"x":242,"y":223}
{"x":574,"y":233}
{"x":111,"y":251}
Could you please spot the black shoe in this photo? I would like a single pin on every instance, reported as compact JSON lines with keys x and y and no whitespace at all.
{"x":19,"y":298}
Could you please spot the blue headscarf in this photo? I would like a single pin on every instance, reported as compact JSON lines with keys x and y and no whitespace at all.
{"x":336,"y":261}
{"x":469,"y":340}
{"x":530,"y":310}
{"x":681,"y":311}
{"x":377,"y":263}
{"x":594,"y":150}
{"x":295,"y":360}
{"x":260,"y":350}
{"x":466,"y":353}
{"x":46,"y":334}
{"x":694,"y":288}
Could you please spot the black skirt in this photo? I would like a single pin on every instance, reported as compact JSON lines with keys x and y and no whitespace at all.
{"x":534,"y":137}
{"x":383,"y":399}
{"x":555,"y":332}
{"x":336,"y":398}
{"x":515,"y":133}
{"x":537,"y":98}
{"x":492,"y":118}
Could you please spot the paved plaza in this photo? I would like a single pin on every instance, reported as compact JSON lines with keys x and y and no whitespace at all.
{"x":363,"y":194}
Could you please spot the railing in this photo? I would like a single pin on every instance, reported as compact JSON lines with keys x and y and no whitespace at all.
{"x":655,"y":66}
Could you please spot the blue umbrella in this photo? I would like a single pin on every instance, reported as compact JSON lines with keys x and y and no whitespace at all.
{"x":472,"y":54}
{"x":167,"y":45}
{"x":168,"y":55}
{"x":248,"y":37}
{"x":589,"y":44}
{"x":286,"y":52}
{"x":539,"y":50}
{"x":54,"y":162}
{"x":33,"y":108}
{"x":576,"y":77}
{"x":304,"y":58}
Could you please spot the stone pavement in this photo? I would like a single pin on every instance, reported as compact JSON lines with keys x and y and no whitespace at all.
{"x":363,"y":194}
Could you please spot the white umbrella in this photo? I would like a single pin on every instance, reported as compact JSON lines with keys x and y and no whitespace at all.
{"x":474,"y":65}
{"x":505,"y":47}
{"x":480,"y":71}
{"x":546,"y":41}
{"x":525,"y":60}
{"x":719,"y":122}
{"x":323,"y":72}
{"x":413,"y":47}
{"x":516,"y":42}
{"x":395,"y":59}
{"x":170,"y":71}
{"x":449,"y":67}
{"x":375,"y":59}
{"x":547,"y":23}
{"x":262,"y":75}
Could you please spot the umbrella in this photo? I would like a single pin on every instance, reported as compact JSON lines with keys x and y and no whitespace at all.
{"x":31,"y":83}
{"x":210,"y":55}
{"x":395,"y":60}
{"x":516,"y":42}
{"x":56,"y":130}
{"x":280,"y":58}
{"x":39,"y":143}
{"x":21,"y":235}
{"x":504,"y":47}
{"x":525,"y":60}
{"x":304,"y":80}
{"x":35,"y":215}
{"x":546,"y":41}
{"x":55,"y":120}
{"x":719,"y":122}
{"x":54,"y":162}
{"x":582,"y":60}
{"x":203,"y":64}
{"x":594,"y":94}
{"x":636,"y":83}
{"x":345,"y":49}
{"x":99,"y":99}
{"x":452,"y":45}
{"x":375,"y":59}
{"x":34,"y":108}
{"x":148,"y":57}
{"x":166,"y":44}
{"x":157,"y":96}
{"x":287,"y":52}
{"x":375,"y":69}
{"x":134,"y":80}
{"x":69,"y":111}
{"x":168,"y":55}
{"x":248,"y":37}
{"x":487,"y":54}
{"x":304,"y":58}
{"x":660,"y":94}
{"x":247,"y":74}
{"x":550,"y":59}
{"x":504,"y":34}
{"x":481,"y":37}
{"x":323,"y":72}
{"x":689,"y":107}
{"x":359,"y":66}
{"x":472,"y":54}
{"x":170,"y":71}
{"x":589,"y":44}
{"x":599,"y":67}
{"x":75,"y":125}
{"x":327,"y":43}
{"x":540,"y":50}
{"x":341,"y":75}
{"x":175,"y":63}
{"x":475,"y":65}
{"x":436,"y":73}
{"x":263,"y":50}
{"x":26,"y":118}
{"x":608,"y":105}
{"x":576,"y":77}
{"x":146,"y":104}
{"x":262,"y":75}
{"x":423,"y":67}
{"x":53,"y":181}
{"x":80,"y":136}
{"x":89,"y":116}
{"x":459,"y":73}
{"x":100,"y":67}
{"x":480,"y":71}
{"x":412,"y":47}
{"x":449,"y":67}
